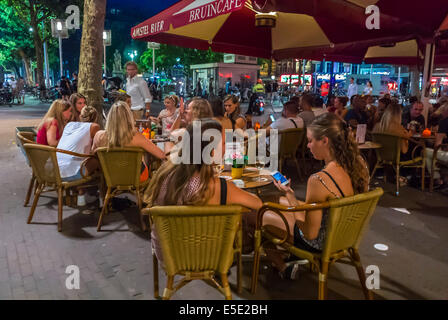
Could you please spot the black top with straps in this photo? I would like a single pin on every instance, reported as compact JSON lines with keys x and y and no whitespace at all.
{"x":223,"y":200}
{"x":334,"y":181}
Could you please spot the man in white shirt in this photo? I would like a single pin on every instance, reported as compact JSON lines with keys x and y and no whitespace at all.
{"x":352,"y":88}
{"x":138,"y":89}
{"x":288,"y":120}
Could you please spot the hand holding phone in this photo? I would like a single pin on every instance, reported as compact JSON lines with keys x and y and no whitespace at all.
{"x":281,"y":179}
{"x":272,"y":117}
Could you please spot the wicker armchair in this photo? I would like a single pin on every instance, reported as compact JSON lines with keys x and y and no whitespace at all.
{"x":22,"y":138}
{"x":197,"y":243}
{"x":121,"y":169}
{"x":43,"y":160}
{"x":291,"y":145}
{"x":347,"y":220}
{"x":390,"y":153}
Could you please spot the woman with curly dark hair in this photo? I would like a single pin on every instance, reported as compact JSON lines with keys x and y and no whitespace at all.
{"x":345,"y":174}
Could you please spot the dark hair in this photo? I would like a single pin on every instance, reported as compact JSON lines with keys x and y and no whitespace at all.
{"x":412,"y":100}
{"x":318,"y":102}
{"x":370,"y":82}
{"x":291,"y":107}
{"x":385,"y":101}
{"x":343,"y":148}
{"x":217,"y":106}
{"x":308,"y":99}
{"x":179,"y":175}
{"x":73,"y":101}
{"x":343,"y":100}
{"x":352,"y":98}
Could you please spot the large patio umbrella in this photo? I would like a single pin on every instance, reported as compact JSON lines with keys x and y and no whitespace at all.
{"x":229,"y":26}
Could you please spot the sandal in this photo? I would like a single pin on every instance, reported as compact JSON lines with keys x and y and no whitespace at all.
{"x":291,"y":272}
{"x":403,"y":181}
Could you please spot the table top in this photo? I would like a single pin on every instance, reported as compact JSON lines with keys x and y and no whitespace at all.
{"x":250,"y":177}
{"x":369,"y":145}
{"x":419,"y":136}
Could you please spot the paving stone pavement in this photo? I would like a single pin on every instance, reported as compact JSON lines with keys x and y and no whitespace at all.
{"x":117,"y":263}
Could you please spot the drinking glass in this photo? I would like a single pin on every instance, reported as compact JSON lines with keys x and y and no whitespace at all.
{"x":259,"y":164}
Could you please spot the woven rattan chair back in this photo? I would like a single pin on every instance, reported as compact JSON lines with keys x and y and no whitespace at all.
{"x":390,"y":147}
{"x":290,"y":141}
{"x":121,"y":166}
{"x":347,"y":220}
{"x":44,"y":162}
{"x":194,"y":238}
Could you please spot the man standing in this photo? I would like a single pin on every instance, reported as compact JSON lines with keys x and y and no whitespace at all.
{"x":352,"y":88}
{"x":138,"y":89}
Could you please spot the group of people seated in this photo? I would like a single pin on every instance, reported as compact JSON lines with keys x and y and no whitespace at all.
{"x":71,"y":125}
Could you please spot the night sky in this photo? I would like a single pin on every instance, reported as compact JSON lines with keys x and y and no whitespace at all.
{"x":145,"y":8}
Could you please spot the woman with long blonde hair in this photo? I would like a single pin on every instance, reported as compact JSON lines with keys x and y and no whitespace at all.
{"x":391,"y":123}
{"x":52,"y":125}
{"x":121,"y":132}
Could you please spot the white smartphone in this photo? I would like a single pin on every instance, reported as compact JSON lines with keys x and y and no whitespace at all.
{"x":272,"y":118}
{"x":279,"y":178}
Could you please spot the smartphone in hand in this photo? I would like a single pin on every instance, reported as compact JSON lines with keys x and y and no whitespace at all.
{"x":279,"y":178}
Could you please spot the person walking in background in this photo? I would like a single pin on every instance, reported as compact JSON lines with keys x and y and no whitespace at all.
{"x":228,"y":85}
{"x":352,"y":89}
{"x":138,"y":89}
{"x":65,"y":88}
{"x":20,"y":91}
{"x":75,"y":82}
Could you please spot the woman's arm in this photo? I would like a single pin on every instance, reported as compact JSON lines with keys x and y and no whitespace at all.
{"x":240,"y":123}
{"x":140,"y":141}
{"x":237,"y":196}
{"x":51,"y":134}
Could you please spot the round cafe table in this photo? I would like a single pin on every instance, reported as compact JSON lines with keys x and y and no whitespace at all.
{"x":252,"y":178}
{"x":368,"y":145}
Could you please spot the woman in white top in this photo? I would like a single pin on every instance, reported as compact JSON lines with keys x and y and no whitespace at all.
{"x":77,"y":137}
{"x":368,"y":89}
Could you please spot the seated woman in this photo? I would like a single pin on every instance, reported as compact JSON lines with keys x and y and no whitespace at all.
{"x":194,"y":184}
{"x":391,"y":123}
{"x":78,"y":101}
{"x":345,"y":174}
{"x":121,"y":132}
{"x":340,"y":109}
{"x":168,"y":115}
{"x":218,"y":112}
{"x":196,"y":109}
{"x":77,"y":137}
{"x":52,"y":125}
{"x":233,"y":112}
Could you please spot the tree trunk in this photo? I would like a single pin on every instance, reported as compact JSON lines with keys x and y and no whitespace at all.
{"x":91,"y":53}
{"x":38,"y":47}
{"x":26,"y":63}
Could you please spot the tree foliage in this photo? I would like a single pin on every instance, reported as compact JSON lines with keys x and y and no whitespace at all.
{"x":166,"y":58}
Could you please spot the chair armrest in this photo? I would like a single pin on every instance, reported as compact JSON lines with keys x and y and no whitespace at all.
{"x":75,"y":154}
{"x":276,"y":208}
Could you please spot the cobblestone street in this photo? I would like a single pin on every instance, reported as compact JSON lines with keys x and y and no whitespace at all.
{"x":117,"y":263}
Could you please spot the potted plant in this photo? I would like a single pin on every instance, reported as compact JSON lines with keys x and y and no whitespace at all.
{"x":238,"y":161}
